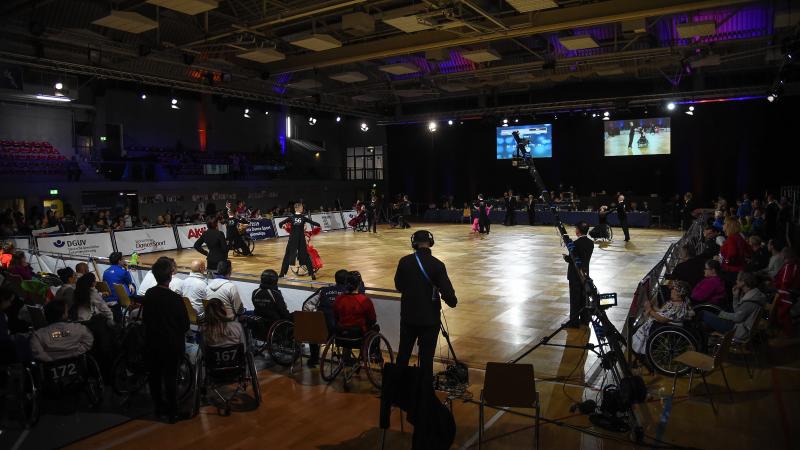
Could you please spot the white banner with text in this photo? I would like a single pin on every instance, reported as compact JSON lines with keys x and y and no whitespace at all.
{"x":145,"y":240}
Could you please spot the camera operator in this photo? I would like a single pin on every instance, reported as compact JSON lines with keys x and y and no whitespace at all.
{"x":422,"y":280}
{"x":582,"y":248}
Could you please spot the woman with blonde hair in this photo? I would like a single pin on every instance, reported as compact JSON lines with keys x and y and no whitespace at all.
{"x":735,"y":252}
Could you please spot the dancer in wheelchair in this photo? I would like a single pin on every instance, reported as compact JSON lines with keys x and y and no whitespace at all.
{"x":602,"y":230}
{"x":675,"y":310}
{"x":296,"y":246}
{"x":60,"y":339}
{"x":218,"y":329}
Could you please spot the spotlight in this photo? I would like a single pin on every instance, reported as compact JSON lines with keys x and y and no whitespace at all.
{"x":505,"y":121}
{"x":670,"y":106}
{"x":691,"y":108}
{"x":432,"y":126}
{"x":174,"y":104}
{"x":690,"y":111}
{"x":247,"y":113}
{"x":516,"y":120}
{"x":59,"y":86}
{"x":555,"y":117}
{"x":312,"y":120}
{"x":143,"y":96}
{"x":338,"y":119}
{"x":364,"y":127}
{"x":594,"y":114}
{"x":450,"y":122}
{"x":605,"y":114}
{"x":266,"y":113}
{"x":316,"y":155}
{"x":770,"y":98}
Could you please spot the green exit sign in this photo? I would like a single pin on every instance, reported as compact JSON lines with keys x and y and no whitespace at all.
{"x":53,"y":191}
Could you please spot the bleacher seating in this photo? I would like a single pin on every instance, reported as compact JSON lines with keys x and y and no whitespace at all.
{"x":31,"y":158}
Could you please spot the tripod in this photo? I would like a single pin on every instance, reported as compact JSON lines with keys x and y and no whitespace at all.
{"x":611,"y":341}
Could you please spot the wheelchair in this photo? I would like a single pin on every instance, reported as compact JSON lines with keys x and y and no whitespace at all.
{"x":77,"y":374}
{"x":668,"y":340}
{"x":249,"y":243}
{"x":20,"y":394}
{"x":129,"y":371}
{"x":339,"y":356}
{"x":220,"y":366}
{"x":642,"y":142}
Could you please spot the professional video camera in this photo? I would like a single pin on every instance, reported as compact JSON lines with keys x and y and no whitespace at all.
{"x":522,"y":153}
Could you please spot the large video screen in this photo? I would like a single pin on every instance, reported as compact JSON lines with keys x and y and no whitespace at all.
{"x":540,"y":137}
{"x":637,"y":137}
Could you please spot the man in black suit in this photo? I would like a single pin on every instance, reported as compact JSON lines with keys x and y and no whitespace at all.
{"x":512,"y":208}
{"x":582,"y":249}
{"x":216,"y":243}
{"x":631,"y":134}
{"x":622,"y":215}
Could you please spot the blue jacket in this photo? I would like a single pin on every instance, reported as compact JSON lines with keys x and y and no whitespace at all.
{"x":117,"y":275}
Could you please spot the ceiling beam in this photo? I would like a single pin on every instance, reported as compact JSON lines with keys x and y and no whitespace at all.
{"x":543,"y":22}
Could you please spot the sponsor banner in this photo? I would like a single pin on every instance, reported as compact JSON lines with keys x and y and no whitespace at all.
{"x":20,"y":242}
{"x":348,"y":216}
{"x":329,"y":220}
{"x":145,"y":240}
{"x":190,"y":232}
{"x":45,"y":231}
{"x":93,"y":244}
{"x":261,"y":229}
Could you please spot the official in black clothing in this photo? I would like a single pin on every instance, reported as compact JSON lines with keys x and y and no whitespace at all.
{"x":531,"y":210}
{"x":622,"y":215}
{"x":216,"y":243}
{"x":165,"y":323}
{"x":582,"y":252}
{"x":296,"y":247}
{"x":631,"y":135}
{"x":512,"y":208}
{"x":422,"y":281}
{"x":483,"y":215}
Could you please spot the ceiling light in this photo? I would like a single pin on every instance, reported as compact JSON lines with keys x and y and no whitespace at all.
{"x":247,"y":113}
{"x":266,"y":113}
{"x":516,"y":120}
{"x":770,"y":98}
{"x":691,"y":108}
{"x":53,"y":98}
{"x":174,"y":103}
{"x":670,"y":106}
{"x":364,"y":127}
{"x":505,"y":121}
{"x":312,"y":120}
{"x":143,"y":96}
{"x":59,"y":86}
{"x":605,"y":114}
{"x":450,"y":122}
{"x":432,"y":126}
{"x":338,"y":119}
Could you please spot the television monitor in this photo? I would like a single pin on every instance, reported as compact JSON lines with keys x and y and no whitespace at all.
{"x":540,"y":137}
{"x":637,"y":137}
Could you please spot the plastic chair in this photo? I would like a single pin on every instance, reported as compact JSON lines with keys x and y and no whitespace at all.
{"x":509,"y":386}
{"x":705,"y":364}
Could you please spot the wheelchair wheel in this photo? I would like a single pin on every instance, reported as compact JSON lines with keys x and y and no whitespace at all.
{"x":280,"y":343}
{"x":21,"y":396}
{"x":331,"y":362}
{"x":374,"y":349}
{"x":94,"y":382}
{"x":30,"y":399}
{"x":665,"y":343}
{"x":199,"y":386}
{"x":186,"y":378}
{"x":706,"y":307}
{"x":253,"y":374}
{"x":128,"y":375}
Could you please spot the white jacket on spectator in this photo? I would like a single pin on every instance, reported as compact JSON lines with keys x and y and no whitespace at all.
{"x":60,"y":340}
{"x":194,"y":288}
{"x":98,"y":306}
{"x":149,"y":281}
{"x":65,"y":293}
{"x":226,"y":291}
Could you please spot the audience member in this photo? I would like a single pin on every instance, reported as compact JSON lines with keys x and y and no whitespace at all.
{"x":710,"y":289}
{"x":19,"y":266}
{"x":149,"y":279}
{"x":60,"y":339}
{"x":734,"y":252}
{"x":675,"y":310}
{"x":352,"y":309}
{"x":747,"y":303}
{"x":218,"y":329}
{"x":87,"y":302}
{"x":166,"y":322}
{"x":268,"y":300}
{"x":222,"y":288}
{"x":67,"y":289}
{"x":194,"y":286}
{"x":7,"y":254}
{"x":117,"y":273}
{"x":81,"y":269}
{"x":759,"y":259}
{"x":776,"y":259}
{"x":787,"y":282}
{"x":690,"y":268}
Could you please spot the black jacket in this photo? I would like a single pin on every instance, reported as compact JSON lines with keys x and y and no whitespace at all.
{"x":217,"y":247}
{"x":165,"y":321}
{"x":583,"y":251}
{"x":269,"y":304}
{"x":481,"y":206}
{"x":417,"y":306}
{"x":690,"y":271}
{"x":297,"y":236}
{"x":622,"y":210}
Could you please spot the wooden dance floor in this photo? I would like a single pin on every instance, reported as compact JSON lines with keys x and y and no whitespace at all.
{"x":512,"y":291}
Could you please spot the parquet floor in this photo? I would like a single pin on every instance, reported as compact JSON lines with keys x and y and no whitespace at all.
{"x":512,"y":291}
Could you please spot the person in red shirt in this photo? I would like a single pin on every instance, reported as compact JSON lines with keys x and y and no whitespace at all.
{"x":7,"y":254}
{"x":352,"y":309}
{"x":787,"y":283}
{"x":735,"y":251}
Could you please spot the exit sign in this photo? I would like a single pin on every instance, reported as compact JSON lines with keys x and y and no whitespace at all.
{"x":53,"y":191}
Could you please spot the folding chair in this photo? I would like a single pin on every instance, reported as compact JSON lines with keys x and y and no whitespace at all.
{"x":509,"y":386}
{"x":190,"y":311}
{"x":126,"y":303}
{"x":309,"y":328}
{"x":747,"y":347}
{"x":102,"y":286}
{"x":706,"y":364}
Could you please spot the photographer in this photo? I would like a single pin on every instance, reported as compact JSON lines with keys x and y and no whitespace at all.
{"x":582,"y":249}
{"x":422,"y":280}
